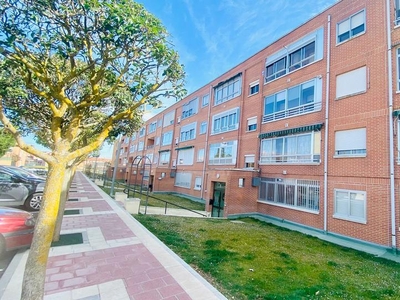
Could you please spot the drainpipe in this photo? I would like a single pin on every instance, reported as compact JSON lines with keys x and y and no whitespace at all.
{"x":391,"y":135}
{"x":203,"y":183}
{"x":327,"y":84}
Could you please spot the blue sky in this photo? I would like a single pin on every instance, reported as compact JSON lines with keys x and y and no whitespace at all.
{"x":212,"y":36}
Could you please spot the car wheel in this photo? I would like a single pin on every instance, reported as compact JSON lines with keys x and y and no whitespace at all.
{"x":33,"y":202}
{"x":2,"y":245}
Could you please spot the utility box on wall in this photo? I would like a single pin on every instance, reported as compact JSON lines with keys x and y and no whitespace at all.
{"x":255,"y":181}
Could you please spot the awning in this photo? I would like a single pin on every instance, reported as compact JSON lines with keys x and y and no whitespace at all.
{"x":184,"y":148}
{"x":396,"y":113}
{"x":308,"y":128}
{"x":222,"y":82}
{"x":167,"y":150}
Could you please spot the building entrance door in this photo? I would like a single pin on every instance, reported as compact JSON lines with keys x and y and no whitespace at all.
{"x":218,"y":201}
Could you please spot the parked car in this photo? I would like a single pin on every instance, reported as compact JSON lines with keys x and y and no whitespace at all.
{"x":18,"y":188}
{"x":16,"y":229}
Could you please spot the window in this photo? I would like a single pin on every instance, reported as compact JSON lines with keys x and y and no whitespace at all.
{"x":164,"y":157}
{"x":297,"y":148}
{"x":152,"y":127}
{"x":133,"y":137}
{"x":397,"y":12}
{"x":159,"y":122}
{"x":197,"y":183}
{"x":190,"y":108}
{"x":351,"y":142}
{"x":166,"y":138}
{"x":226,"y":121}
{"x":254,"y":88}
{"x":249,"y":161}
{"x":351,"y":27}
{"x":302,"y":57}
{"x":398,"y":68}
{"x":276,"y":70}
{"x":223,"y":153}
{"x":228,"y":90}
{"x":169,"y":118}
{"x":350,"y":205}
{"x":185,"y":156}
{"x":252,"y":124}
{"x":157,"y":140}
{"x":188,"y":132}
{"x":203,"y":127}
{"x":132,"y":148}
{"x":295,"y":193}
{"x":294,"y":56}
{"x":200,"y":155}
{"x":141,"y":146}
{"x":183,"y":179}
{"x":206,"y":100}
{"x":150,"y":158}
{"x":300,"y":99}
{"x":351,"y":83}
{"x":142,"y":132}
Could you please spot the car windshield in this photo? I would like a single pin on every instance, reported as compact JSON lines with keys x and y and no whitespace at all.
{"x":23,"y":172}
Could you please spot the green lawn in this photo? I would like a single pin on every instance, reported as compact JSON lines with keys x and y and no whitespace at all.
{"x":256,"y":260}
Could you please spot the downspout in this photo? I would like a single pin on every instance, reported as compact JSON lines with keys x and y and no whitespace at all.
{"x":391,"y":135}
{"x":327,"y":84}
{"x":206,"y":142}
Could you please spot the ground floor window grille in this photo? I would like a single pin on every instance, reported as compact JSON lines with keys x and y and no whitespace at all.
{"x":291,"y":192}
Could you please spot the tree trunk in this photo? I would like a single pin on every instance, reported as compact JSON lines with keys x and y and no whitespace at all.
{"x":69,"y":175}
{"x":35,"y":270}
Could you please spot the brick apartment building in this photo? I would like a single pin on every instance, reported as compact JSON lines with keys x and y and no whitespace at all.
{"x":305,"y":131}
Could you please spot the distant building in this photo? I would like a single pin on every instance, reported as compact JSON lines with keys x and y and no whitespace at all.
{"x":305,"y":131}
{"x":19,"y":158}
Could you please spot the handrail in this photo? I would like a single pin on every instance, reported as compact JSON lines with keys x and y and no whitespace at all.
{"x":126,"y":191}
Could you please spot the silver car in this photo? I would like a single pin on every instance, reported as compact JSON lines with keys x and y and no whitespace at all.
{"x":17,"y":189}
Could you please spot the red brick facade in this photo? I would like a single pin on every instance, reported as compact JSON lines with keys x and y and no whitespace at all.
{"x":335,"y":109}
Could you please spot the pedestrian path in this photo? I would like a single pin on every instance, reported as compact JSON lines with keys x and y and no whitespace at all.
{"x":118,"y":259}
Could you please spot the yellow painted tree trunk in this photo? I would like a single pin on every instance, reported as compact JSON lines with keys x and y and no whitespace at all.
{"x":69,"y":174}
{"x":35,"y":270}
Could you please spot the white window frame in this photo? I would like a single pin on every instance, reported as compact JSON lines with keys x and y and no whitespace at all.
{"x":298,"y":194}
{"x":166,"y":138}
{"x":228,"y":90}
{"x":279,"y":61}
{"x":188,"y":132}
{"x":197,"y":183}
{"x":203,"y":127}
{"x":284,"y":110}
{"x":351,"y":27}
{"x":186,"y":157}
{"x":398,"y":68}
{"x":254,"y":88}
{"x":164,"y":157}
{"x":189,"y":109}
{"x":226,"y":121}
{"x":141,"y":146}
{"x":351,"y":143}
{"x":346,"y":204}
{"x":142,"y":131}
{"x":224,"y":153}
{"x":200,"y":155}
{"x":183,"y":179}
{"x":152,"y":127}
{"x":251,"y":122}
{"x":205,"y":100}
{"x":269,"y":146}
{"x":169,"y":118}
{"x":249,"y":159}
{"x":351,"y":83}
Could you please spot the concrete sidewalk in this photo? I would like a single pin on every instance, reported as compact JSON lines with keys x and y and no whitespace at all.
{"x":119,"y":258}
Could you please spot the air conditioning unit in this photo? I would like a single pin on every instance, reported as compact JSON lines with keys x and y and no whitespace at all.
{"x":255,"y":181}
